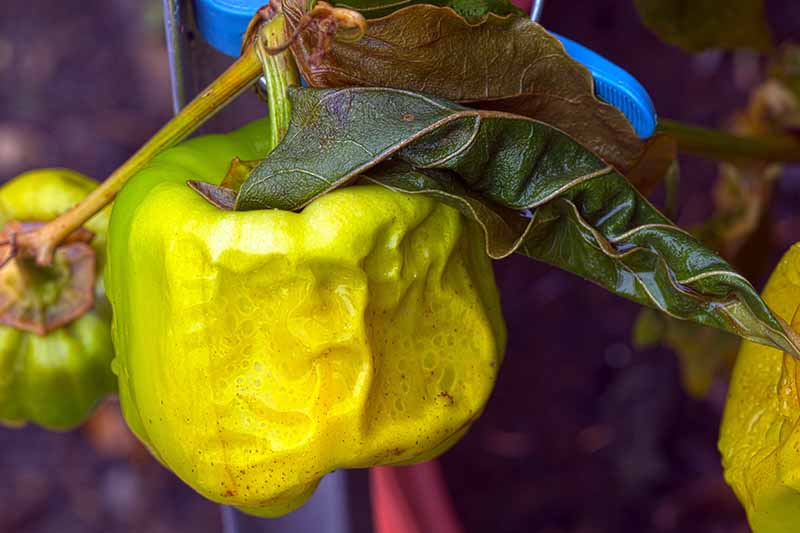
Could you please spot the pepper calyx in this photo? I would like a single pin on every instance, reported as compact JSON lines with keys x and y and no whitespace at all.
{"x":40,"y":299}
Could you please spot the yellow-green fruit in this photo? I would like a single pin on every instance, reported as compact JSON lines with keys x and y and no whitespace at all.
{"x":760,"y":438}
{"x":258,"y":351}
{"x":54,"y":379}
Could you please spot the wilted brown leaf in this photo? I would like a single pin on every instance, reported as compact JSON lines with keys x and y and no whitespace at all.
{"x":659,"y":155}
{"x":499,"y":63}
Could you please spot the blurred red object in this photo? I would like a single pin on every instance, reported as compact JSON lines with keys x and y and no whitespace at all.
{"x":411,"y":499}
{"x":108,"y":434}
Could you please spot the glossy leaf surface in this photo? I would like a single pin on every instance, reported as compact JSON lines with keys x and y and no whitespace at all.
{"x":582,"y":215}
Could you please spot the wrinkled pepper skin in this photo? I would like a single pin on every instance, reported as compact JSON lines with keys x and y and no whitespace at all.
{"x":54,"y":380}
{"x":760,"y":436}
{"x":258,"y":351}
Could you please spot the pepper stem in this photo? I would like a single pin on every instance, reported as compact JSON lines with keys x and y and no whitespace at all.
{"x":280,"y":72}
{"x":723,"y":146}
{"x":42,"y":242}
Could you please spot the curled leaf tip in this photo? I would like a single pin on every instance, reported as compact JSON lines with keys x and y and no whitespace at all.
{"x":786,"y":339}
{"x":351,"y":24}
{"x":326,"y":23}
{"x":263,"y":15}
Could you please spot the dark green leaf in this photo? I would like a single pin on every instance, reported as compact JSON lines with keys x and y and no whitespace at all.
{"x":583,"y":215}
{"x":501,"y":63}
{"x":473,"y":10}
{"x":604,"y":231}
{"x":334,"y":135}
{"x":696,"y":25}
{"x":504,"y":228}
{"x":469,"y":9}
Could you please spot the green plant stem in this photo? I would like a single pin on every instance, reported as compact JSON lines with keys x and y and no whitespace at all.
{"x":41,"y":242}
{"x":723,"y":146}
{"x":280,"y":72}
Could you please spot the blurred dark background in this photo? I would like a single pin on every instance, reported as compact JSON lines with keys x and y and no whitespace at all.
{"x":584,"y":434}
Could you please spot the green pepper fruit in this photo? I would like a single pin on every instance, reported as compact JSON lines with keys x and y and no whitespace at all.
{"x":55,"y":341}
{"x":258,"y":351}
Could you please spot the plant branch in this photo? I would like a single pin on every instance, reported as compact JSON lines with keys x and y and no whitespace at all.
{"x":41,"y":243}
{"x":723,"y":146}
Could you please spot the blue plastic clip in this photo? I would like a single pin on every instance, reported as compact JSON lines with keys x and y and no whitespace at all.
{"x":223,"y":22}
{"x":614,"y":85}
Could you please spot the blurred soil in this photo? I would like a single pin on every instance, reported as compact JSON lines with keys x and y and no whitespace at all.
{"x":583,"y":434}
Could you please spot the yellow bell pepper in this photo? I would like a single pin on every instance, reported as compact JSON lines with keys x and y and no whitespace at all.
{"x":258,"y":351}
{"x":760,"y":437}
